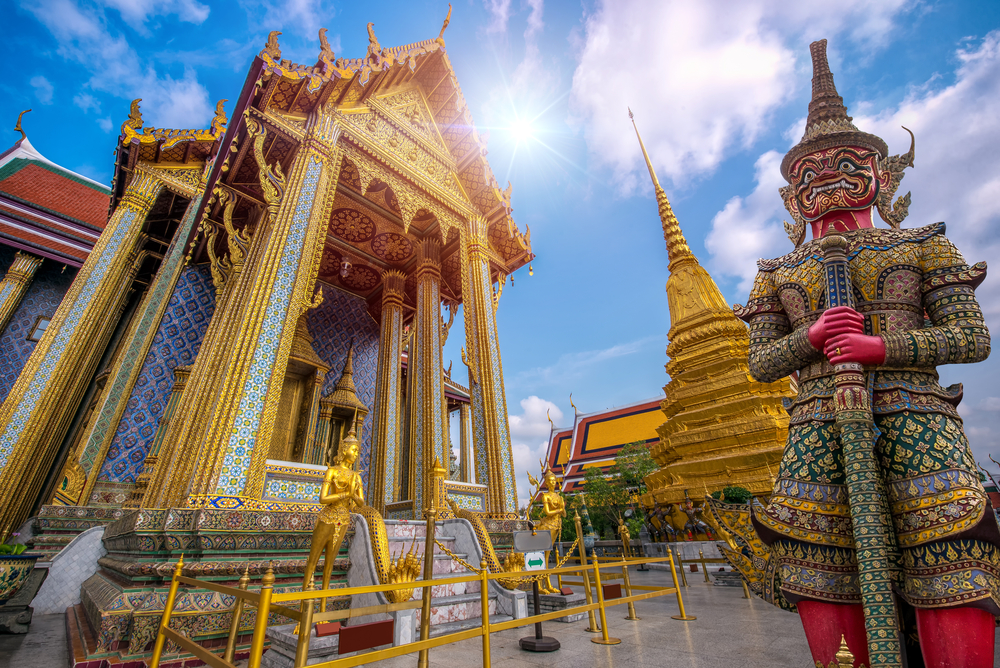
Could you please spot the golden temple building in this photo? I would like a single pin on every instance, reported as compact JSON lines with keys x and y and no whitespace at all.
{"x":722,"y":427}
{"x":258,"y":289}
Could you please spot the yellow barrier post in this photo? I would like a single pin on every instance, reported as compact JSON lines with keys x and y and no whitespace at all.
{"x":628,"y":591}
{"x":305,"y":629}
{"x":586,"y":579}
{"x":704,"y":565}
{"x":604,"y":639}
{"x":234,"y":626}
{"x":425,"y":608}
{"x":167,"y":611}
{"x":746,"y":592}
{"x":484,"y":604}
{"x":680,"y":600}
{"x":680,"y":565}
{"x":260,"y":625}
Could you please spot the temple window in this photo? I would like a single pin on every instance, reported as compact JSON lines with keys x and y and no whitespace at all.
{"x":41,"y":324}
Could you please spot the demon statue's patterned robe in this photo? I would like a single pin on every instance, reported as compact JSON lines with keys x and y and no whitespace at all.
{"x":916,"y":292}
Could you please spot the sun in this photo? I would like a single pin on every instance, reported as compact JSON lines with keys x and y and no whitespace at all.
{"x":522,"y":129}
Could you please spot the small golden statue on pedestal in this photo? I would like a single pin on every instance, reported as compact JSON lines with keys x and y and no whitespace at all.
{"x":554,"y":509}
{"x":341,"y":493}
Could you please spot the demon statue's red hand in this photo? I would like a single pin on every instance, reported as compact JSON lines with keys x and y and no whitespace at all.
{"x":833,"y":322}
{"x":859,"y":348}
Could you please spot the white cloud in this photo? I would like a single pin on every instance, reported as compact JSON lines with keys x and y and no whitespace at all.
{"x":749,"y":228}
{"x":298,"y":16}
{"x":703,"y":78}
{"x":573,"y":365}
{"x":87,"y":102}
{"x":84,"y":37}
{"x":43,"y":89}
{"x":137,"y":12}
{"x":105,"y":123}
{"x":499,"y":14}
{"x":529,"y":439}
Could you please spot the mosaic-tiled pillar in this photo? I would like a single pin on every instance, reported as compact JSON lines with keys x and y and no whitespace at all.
{"x":15,"y":283}
{"x":134,"y":500}
{"x":281,"y":280}
{"x":426,"y":414}
{"x":494,"y":457}
{"x":464,"y":445}
{"x":321,"y":443}
{"x":38,"y":409}
{"x":133,"y":350}
{"x":169,"y":485}
{"x":384,"y":471}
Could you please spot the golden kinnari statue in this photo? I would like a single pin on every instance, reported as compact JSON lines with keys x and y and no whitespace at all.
{"x":341,"y":493}
{"x":554,"y":509}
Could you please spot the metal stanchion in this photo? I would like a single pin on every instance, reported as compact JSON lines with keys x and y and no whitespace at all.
{"x":305,"y":629}
{"x":260,"y":626}
{"x":484,"y":604}
{"x":167,"y":610}
{"x":680,"y":599}
{"x":628,"y":592}
{"x":234,"y":626}
{"x":593,"y":628}
{"x":604,"y":639}
{"x":680,"y":565}
{"x":425,"y":608}
{"x":704,"y":566}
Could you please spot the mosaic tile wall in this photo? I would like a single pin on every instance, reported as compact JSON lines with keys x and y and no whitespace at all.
{"x":42,"y":298}
{"x":340,"y":319}
{"x":175,"y":343}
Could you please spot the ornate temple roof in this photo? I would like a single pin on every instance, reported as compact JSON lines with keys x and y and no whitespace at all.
{"x":46,"y":209}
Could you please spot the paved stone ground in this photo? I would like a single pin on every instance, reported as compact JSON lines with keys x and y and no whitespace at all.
{"x":729,"y":631}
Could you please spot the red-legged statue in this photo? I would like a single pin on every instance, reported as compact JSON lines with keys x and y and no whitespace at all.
{"x":878,"y":519}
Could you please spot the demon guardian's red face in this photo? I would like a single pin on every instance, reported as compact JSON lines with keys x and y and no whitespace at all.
{"x":835,"y":179}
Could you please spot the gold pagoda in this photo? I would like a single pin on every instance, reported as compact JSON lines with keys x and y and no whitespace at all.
{"x":722,"y":427}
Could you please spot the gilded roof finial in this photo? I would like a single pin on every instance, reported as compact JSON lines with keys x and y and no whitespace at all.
{"x":444,"y":26}
{"x":272,"y":48}
{"x":677,"y":247}
{"x":374,"y":48}
{"x":134,"y":120}
{"x":17,"y":128}
{"x":576,"y":411}
{"x":220,"y":120}
{"x":326,"y":54}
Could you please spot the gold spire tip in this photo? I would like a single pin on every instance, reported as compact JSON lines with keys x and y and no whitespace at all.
{"x":17,"y":128}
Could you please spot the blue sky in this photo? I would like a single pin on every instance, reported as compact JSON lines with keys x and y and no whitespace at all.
{"x":719,"y":90}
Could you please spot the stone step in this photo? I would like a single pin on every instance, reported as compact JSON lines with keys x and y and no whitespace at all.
{"x":463,"y":624}
{"x":458,"y":608}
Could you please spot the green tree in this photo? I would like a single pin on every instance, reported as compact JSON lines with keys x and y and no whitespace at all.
{"x":610,"y":495}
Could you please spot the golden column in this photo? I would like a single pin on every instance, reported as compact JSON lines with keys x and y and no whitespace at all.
{"x":384,"y":470}
{"x":426,"y":416}
{"x":279,"y":284}
{"x":135,"y":346}
{"x":494,"y":458}
{"x":34,"y":417}
{"x":15,"y":283}
{"x":464,"y":445}
{"x":168,"y":485}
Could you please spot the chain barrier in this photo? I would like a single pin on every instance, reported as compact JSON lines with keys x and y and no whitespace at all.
{"x":523,"y":579}
{"x":457,"y":558}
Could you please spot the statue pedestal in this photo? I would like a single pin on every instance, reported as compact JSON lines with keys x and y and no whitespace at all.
{"x":552,"y":602}
{"x":15,"y":615}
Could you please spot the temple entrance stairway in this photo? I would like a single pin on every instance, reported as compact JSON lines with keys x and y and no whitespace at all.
{"x":454,"y":607}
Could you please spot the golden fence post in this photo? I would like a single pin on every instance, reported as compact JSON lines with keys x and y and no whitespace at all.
{"x":604,"y":639}
{"x":167,"y":610}
{"x":260,"y":625}
{"x":234,"y":626}
{"x":586,"y":579}
{"x":305,"y":630}
{"x":746,"y":592}
{"x":425,"y":606}
{"x":628,"y":592}
{"x":704,"y":565}
{"x":680,"y":565}
{"x":680,"y":599}
{"x":484,"y":598}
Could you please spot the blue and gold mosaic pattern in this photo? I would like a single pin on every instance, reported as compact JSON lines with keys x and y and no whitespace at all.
{"x":42,"y":298}
{"x":175,"y":344}
{"x":341,"y":320}
{"x":19,"y":419}
{"x":243,"y":436}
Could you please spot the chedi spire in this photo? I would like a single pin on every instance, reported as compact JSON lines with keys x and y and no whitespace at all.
{"x":828,"y":124}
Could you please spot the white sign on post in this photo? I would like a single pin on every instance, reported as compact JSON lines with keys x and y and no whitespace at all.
{"x":534,"y":561}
